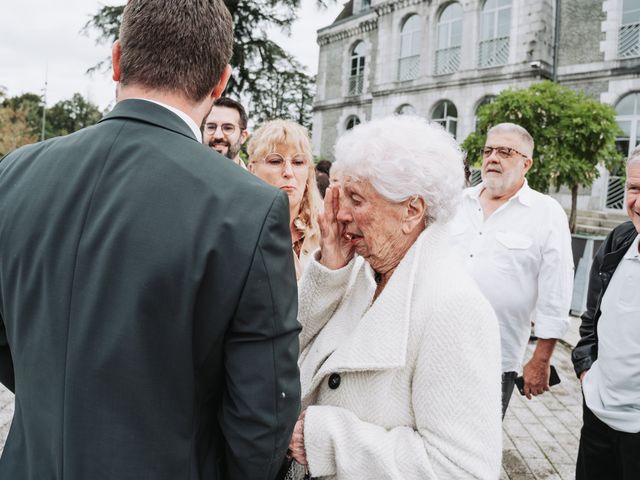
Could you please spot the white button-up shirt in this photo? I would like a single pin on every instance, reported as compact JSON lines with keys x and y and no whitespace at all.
{"x":521,"y":259}
{"x":612,"y":386}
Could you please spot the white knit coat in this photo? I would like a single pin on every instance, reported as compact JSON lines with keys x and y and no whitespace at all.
{"x":419,"y":391}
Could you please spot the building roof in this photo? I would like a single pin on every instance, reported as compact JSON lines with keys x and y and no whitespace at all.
{"x":347,"y":11}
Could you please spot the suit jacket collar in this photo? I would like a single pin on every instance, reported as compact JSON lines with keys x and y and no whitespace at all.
{"x":151,"y":113}
{"x":379,"y":341}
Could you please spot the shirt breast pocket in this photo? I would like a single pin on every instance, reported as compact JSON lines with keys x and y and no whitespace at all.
{"x":512,"y":254}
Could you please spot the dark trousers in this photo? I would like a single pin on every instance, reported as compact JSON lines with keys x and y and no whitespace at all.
{"x":606,"y":453}
{"x":508,"y":381}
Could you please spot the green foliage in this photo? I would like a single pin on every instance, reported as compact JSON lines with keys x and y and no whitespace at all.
{"x":68,"y":116}
{"x":572,"y":133}
{"x":258,"y":62}
{"x":14,"y":130}
{"x":31,"y":106}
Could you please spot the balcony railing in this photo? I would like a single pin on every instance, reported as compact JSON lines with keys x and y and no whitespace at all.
{"x":494,"y":52}
{"x":409,"y":68}
{"x":356,"y":84}
{"x":447,"y":60}
{"x":629,"y":40}
{"x":615,"y":193}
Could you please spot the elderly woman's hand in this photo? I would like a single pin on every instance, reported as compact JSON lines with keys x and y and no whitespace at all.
{"x":336,"y":250}
{"x":296,"y":446}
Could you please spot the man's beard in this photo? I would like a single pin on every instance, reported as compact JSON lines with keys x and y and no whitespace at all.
{"x":232,"y":149}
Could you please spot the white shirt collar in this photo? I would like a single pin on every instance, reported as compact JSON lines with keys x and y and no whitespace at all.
{"x":186,"y":118}
{"x":632,"y":252}
{"x":524,"y":195}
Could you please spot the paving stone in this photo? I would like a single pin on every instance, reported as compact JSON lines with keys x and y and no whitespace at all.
{"x":542,"y":469}
{"x":528,"y":448}
{"x":513,"y":463}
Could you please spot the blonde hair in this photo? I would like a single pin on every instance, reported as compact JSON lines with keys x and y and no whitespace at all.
{"x":267,"y":139}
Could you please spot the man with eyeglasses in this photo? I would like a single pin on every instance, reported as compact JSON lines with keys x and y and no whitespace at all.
{"x":225,"y":129}
{"x":516,"y":243}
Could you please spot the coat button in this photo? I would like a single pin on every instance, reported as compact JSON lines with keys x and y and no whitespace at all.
{"x":334,"y":381}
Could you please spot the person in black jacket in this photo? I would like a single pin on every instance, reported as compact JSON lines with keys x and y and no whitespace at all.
{"x":607,"y":357}
{"x":147,"y":290}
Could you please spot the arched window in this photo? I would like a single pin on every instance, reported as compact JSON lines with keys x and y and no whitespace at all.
{"x":446,"y":114}
{"x":629,"y":33}
{"x":628,"y":110}
{"x":410,"y":39}
{"x":494,"y":33}
{"x":356,"y":72}
{"x":406,"y":109}
{"x":483,"y":101}
{"x":449,"y":40}
{"x":352,"y":121}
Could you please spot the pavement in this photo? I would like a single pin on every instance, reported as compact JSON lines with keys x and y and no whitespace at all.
{"x":540,"y":436}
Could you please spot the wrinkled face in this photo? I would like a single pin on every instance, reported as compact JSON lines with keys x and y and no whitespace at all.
{"x":504,"y":168}
{"x":372,"y":223}
{"x":633,"y":193}
{"x":222,"y":131}
{"x":285,"y":168}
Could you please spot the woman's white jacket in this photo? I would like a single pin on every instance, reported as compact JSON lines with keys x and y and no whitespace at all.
{"x":406,"y":387}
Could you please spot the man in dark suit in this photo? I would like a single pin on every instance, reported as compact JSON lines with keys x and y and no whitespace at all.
{"x":147,"y":289}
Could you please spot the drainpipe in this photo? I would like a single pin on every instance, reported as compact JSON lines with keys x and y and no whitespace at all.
{"x":556,"y":42}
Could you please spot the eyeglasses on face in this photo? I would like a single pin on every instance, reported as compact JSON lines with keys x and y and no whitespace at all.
{"x":276,"y":161}
{"x":501,"y":152}
{"x":227,"y":128}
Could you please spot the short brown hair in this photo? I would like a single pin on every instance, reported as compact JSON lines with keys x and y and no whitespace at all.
{"x":179,"y":46}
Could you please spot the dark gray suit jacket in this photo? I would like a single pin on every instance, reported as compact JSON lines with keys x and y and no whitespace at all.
{"x":147,"y":307}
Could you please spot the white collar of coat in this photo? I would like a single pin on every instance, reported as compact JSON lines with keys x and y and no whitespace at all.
{"x":379,"y":341}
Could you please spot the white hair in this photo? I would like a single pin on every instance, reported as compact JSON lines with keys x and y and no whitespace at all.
{"x":634,"y":157}
{"x":515,"y":129}
{"x":403,"y":156}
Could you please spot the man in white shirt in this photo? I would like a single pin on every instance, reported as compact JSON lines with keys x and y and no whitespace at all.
{"x":607,"y":357}
{"x":516,"y":243}
{"x":225,"y":129}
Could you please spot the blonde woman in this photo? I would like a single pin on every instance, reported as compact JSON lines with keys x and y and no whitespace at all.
{"x":280,"y":154}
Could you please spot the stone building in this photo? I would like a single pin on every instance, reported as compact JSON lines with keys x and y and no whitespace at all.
{"x":442,"y":59}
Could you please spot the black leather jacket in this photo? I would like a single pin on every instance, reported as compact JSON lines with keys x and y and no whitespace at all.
{"x":605,"y":263}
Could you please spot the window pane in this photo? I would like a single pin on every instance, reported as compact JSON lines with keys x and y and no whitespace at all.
{"x":453,"y":127}
{"x":358,"y":49}
{"x":487,"y":25}
{"x":626,"y":105}
{"x":456,"y":34}
{"x":504,"y":22}
{"x":443,"y":36}
{"x":452,"y":12}
{"x":438,"y":112}
{"x":504,"y":3}
{"x":412,"y":24}
{"x":626,"y":128}
{"x":632,"y":16}
{"x":416,"y":41}
{"x":489,"y":5}
{"x":451,"y":110}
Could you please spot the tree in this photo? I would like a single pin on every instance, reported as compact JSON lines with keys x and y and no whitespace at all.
{"x":572,"y":133}
{"x":14,"y":130}
{"x":257,"y":61}
{"x":68,"y":116}
{"x":31,"y":105}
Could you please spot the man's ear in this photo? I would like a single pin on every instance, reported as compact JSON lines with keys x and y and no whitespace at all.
{"x":243,"y":136}
{"x":218,"y":90}
{"x":116,"y":54}
{"x":527,"y":164}
{"x":413,"y":214}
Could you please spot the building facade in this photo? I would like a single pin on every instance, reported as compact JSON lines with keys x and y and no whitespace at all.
{"x":443,"y":59}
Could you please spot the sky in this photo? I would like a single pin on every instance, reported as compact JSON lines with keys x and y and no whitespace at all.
{"x":41,"y":40}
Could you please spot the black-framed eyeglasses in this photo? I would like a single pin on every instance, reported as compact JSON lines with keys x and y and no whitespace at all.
{"x":501,"y":152}
{"x":227,"y":128}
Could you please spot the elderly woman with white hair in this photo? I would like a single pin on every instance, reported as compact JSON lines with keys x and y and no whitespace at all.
{"x":400,"y":355}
